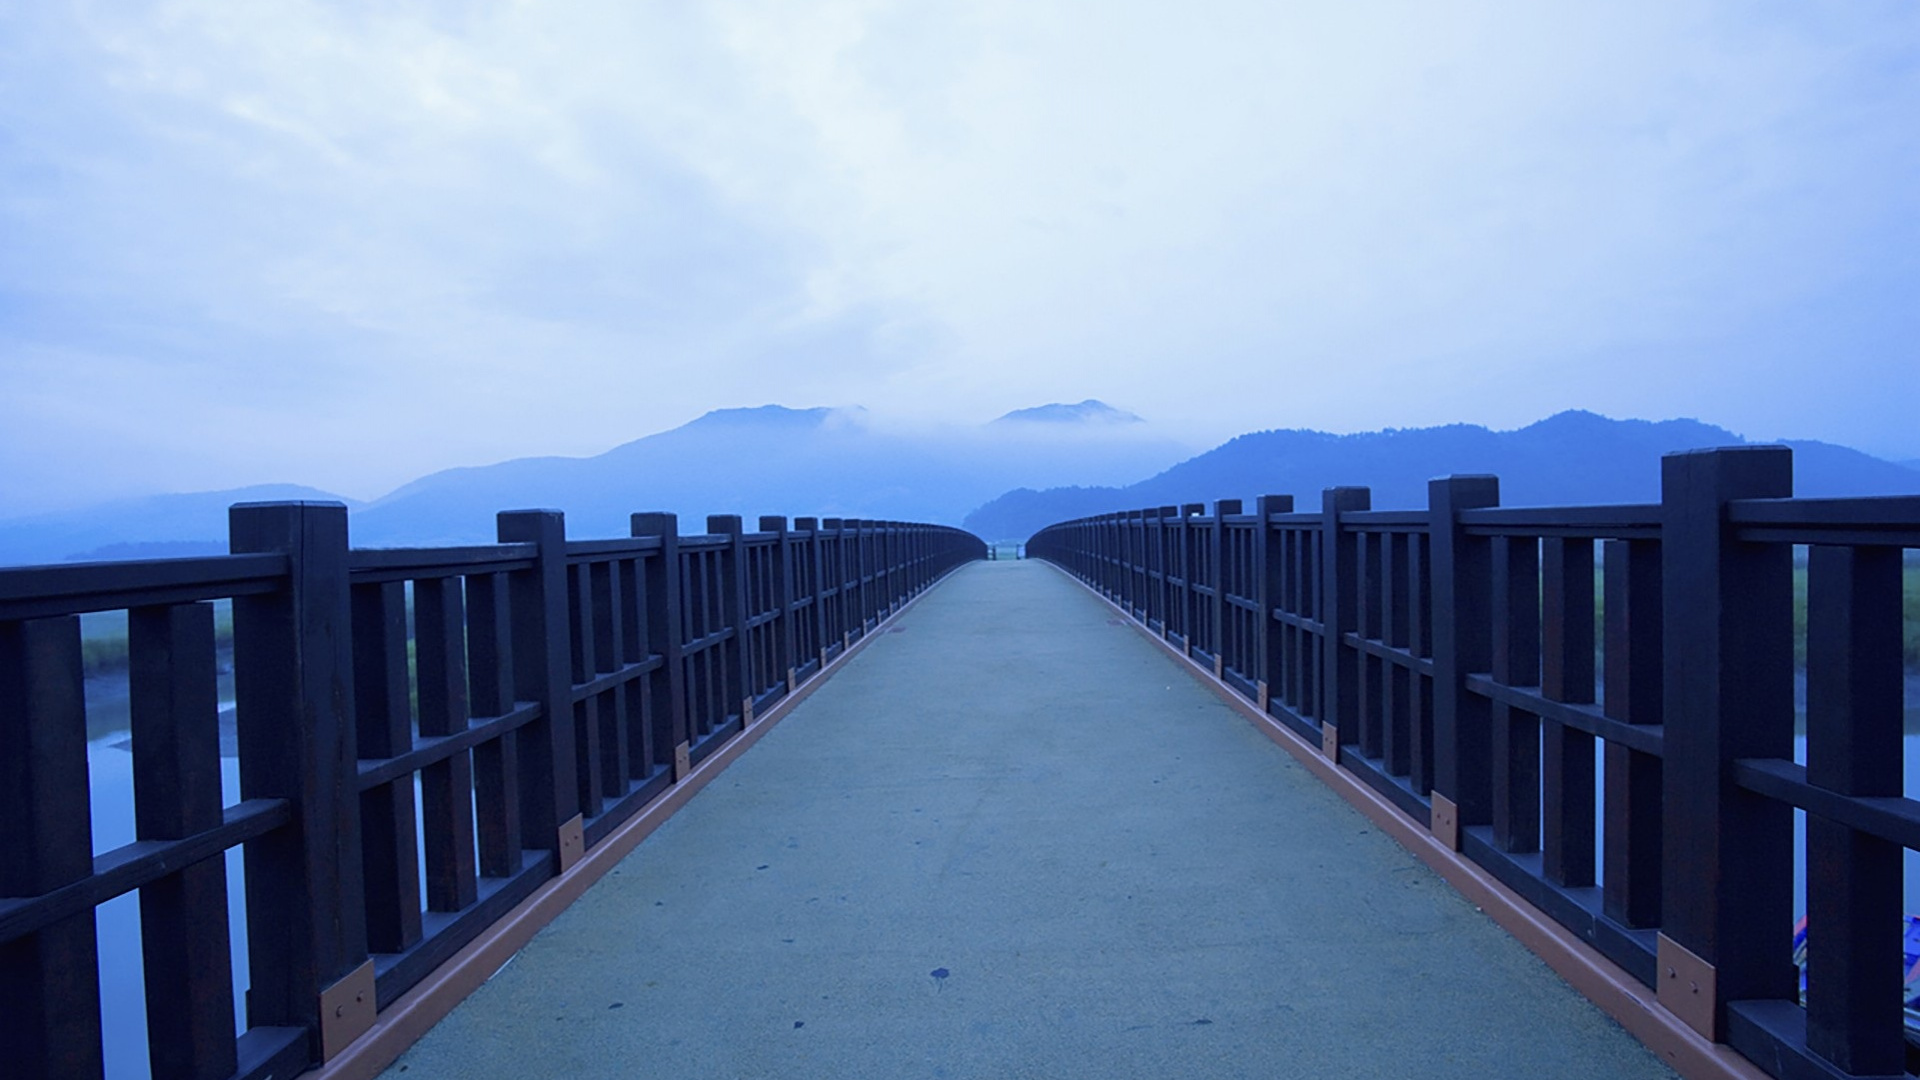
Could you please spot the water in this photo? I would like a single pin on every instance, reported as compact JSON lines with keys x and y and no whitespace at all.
{"x":123,"y":1006}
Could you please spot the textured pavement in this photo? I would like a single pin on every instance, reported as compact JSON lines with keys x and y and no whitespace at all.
{"x":1012,"y":839}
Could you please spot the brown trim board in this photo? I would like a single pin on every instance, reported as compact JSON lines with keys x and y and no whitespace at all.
{"x":1634,"y":1006}
{"x":403,"y":1023}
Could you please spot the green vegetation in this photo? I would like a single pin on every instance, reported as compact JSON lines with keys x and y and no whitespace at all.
{"x":1910,"y":612}
{"x":103,"y":639}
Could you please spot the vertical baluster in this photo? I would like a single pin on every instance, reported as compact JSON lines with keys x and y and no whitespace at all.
{"x":609,"y":648}
{"x":666,"y":689}
{"x":1567,"y":675}
{"x":1339,"y":585}
{"x":786,"y":652}
{"x":587,"y":761}
{"x":50,"y":979}
{"x":740,"y":680}
{"x":1854,"y":700}
{"x":1633,"y":678}
{"x":1368,"y":710}
{"x":384,"y":729}
{"x":446,"y":786}
{"x":1420,"y":643}
{"x":185,"y":951}
{"x":1399,"y":684}
{"x":1270,"y":568}
{"x":496,"y":762}
{"x":1515,"y":733}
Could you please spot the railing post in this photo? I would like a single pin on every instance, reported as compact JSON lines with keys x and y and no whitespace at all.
{"x":550,"y":818}
{"x":1462,"y":644}
{"x":50,"y":981}
{"x":293,"y":691}
{"x":1726,"y":903}
{"x":740,"y":682}
{"x":783,"y":649}
{"x":1340,"y":588}
{"x":1268,"y":569}
{"x":666,"y":634}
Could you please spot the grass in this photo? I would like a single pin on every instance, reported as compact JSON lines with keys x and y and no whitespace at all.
{"x":103,"y":639}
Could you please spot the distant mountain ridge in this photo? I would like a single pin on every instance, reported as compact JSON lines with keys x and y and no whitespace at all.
{"x":1572,"y":458}
{"x":749,"y":461}
{"x":1011,"y":475}
{"x":149,"y":527}
{"x":1090,"y":411}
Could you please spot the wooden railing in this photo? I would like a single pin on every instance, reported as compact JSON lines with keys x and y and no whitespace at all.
{"x":1450,"y":657}
{"x":534,"y":693}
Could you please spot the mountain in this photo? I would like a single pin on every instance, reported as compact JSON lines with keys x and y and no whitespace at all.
{"x":1090,"y":411}
{"x":800,"y":462}
{"x":150,"y":527}
{"x":768,"y":460}
{"x":1573,"y":458}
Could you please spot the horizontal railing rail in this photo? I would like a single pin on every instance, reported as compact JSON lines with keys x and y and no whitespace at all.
{"x":423,"y":737}
{"x":1597,"y":706}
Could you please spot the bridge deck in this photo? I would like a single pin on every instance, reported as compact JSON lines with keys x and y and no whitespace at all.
{"x":1013,"y":839}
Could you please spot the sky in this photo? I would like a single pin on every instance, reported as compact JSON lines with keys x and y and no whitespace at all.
{"x":348,"y":243}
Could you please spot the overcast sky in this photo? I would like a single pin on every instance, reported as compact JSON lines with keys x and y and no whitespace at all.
{"x":347,"y":243}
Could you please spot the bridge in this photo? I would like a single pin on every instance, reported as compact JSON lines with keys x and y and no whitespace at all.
{"x":1204,"y":791}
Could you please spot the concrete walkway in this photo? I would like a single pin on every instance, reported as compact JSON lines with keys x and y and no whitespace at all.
{"x":1011,"y":839}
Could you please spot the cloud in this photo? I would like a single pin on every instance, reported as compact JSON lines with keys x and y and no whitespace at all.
{"x":344,"y":244}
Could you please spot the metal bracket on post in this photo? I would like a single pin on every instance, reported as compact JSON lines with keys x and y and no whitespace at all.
{"x":1261,"y":689}
{"x":746,"y":712}
{"x":347,"y":1011}
{"x":1688,"y":986}
{"x":793,"y":682}
{"x":572,"y":842}
{"x":682,"y":761}
{"x":1444,"y":821}
{"x":1330,"y":741}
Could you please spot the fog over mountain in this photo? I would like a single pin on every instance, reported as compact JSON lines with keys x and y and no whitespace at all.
{"x":1571,"y":458}
{"x":1002,"y":480}
{"x":767,"y":460}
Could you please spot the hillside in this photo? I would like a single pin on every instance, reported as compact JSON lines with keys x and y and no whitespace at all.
{"x":1569,"y":459}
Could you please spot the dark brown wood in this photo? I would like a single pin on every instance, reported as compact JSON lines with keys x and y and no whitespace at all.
{"x":446,"y":787}
{"x":174,"y":699}
{"x":589,"y":767}
{"x":1854,"y":703}
{"x":541,"y":647}
{"x":384,"y":729}
{"x":666,"y":689}
{"x":1515,"y":656}
{"x":293,"y":688}
{"x":1398,"y":687}
{"x":732,"y":594}
{"x":1340,"y":585}
{"x":1567,"y":755}
{"x":49,"y":979}
{"x":1728,"y":695}
{"x":1632,"y":853}
{"x":1462,"y":643}
{"x":496,"y":762}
